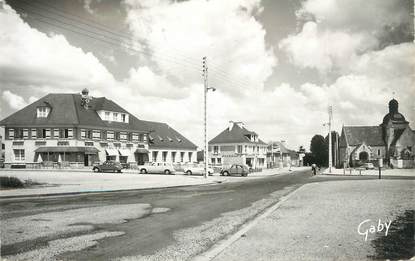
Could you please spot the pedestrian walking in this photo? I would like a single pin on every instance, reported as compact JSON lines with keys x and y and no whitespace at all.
{"x":313,"y":169}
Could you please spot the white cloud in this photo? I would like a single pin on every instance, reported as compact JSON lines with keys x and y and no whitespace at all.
{"x":226,"y":32}
{"x":369,"y":16}
{"x":13,"y":100}
{"x":325,"y":50}
{"x":342,"y":31}
{"x":30,"y":57}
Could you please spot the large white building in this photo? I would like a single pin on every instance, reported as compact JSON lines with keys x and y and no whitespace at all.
{"x":77,"y":129}
{"x":236,"y":144}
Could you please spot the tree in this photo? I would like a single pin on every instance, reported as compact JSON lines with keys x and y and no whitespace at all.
{"x":319,"y":150}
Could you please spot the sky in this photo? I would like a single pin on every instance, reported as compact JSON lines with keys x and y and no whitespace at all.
{"x":276,"y":65}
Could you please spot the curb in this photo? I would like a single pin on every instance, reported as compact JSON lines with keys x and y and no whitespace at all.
{"x":103,"y":191}
{"x":124,"y":190}
{"x":221,"y":245}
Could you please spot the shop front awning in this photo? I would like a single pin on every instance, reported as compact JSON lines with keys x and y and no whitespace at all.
{"x":111,"y":152}
{"x":141,"y":150}
{"x":124,"y":152}
{"x":67,"y":149}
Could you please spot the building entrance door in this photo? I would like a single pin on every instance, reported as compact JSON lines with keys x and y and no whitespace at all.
{"x":86,"y":160}
{"x":363,"y":156}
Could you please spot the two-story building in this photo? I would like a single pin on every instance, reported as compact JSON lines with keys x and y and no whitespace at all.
{"x":278,"y":155}
{"x":236,"y":144}
{"x":76,"y":129}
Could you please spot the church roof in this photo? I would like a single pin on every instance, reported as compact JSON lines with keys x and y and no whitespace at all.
{"x":356,"y":135}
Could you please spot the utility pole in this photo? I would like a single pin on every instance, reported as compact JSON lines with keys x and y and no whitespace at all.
{"x":206,"y":88}
{"x":330,"y":156}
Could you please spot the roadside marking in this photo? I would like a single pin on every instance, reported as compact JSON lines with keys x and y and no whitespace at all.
{"x":225,"y":243}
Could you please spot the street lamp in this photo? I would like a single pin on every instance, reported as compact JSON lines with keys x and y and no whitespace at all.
{"x":205,"y":91}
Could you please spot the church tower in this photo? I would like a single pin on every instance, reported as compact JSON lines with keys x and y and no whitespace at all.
{"x":393,"y":125}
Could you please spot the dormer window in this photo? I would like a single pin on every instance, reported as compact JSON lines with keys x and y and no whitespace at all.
{"x":107,"y":116}
{"x":113,"y":116}
{"x":42,"y":112}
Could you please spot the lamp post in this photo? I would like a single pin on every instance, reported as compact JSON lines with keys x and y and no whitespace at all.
{"x":206,"y":88}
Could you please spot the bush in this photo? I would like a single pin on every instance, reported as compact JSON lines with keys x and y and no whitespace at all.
{"x":10,"y":182}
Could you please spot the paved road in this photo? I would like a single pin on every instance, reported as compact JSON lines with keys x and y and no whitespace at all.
{"x":189,"y":207}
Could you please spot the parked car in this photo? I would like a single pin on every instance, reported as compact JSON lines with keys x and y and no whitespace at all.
{"x":235,"y":169}
{"x":368,"y":166}
{"x":197,"y":169}
{"x":108,"y":166}
{"x":157,"y":167}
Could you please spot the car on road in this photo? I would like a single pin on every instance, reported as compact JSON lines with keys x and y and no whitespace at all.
{"x":197,"y":169}
{"x":368,"y":166}
{"x":108,"y":166}
{"x":157,"y":167}
{"x":235,"y":169}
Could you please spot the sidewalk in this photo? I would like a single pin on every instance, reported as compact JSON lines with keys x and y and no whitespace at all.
{"x":67,"y":182}
{"x":319,"y":221}
{"x":371,"y":172}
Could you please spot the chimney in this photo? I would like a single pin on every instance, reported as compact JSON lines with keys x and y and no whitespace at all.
{"x":230,"y":125}
{"x":85,"y":98}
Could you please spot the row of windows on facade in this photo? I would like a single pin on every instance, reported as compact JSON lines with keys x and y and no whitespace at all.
{"x":68,"y":133}
{"x":238,"y":149}
{"x":19,"y":155}
{"x":154,"y":155}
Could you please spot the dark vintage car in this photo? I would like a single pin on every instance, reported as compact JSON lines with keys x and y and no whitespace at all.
{"x":235,"y":169}
{"x":108,"y":166}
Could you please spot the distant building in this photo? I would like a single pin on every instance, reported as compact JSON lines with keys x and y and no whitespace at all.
{"x":278,"y":155}
{"x":1,"y":149}
{"x":78,"y":129}
{"x":393,"y":141}
{"x":236,"y":144}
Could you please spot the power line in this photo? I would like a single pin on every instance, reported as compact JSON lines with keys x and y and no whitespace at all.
{"x":81,"y":20}
{"x":125,"y":36}
{"x":110,"y":42}
{"x":220,"y":74}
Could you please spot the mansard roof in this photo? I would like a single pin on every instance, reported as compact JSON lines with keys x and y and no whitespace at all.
{"x":66,"y":110}
{"x":162,"y":136}
{"x":356,"y":135}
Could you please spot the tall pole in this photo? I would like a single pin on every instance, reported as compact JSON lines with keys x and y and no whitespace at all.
{"x":205,"y":90}
{"x":330,"y":157}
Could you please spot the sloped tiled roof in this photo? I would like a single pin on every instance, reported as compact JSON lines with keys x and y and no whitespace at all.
{"x":281,"y":145}
{"x":356,"y":135}
{"x":164,"y":137}
{"x":235,"y":135}
{"x":66,"y":110}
